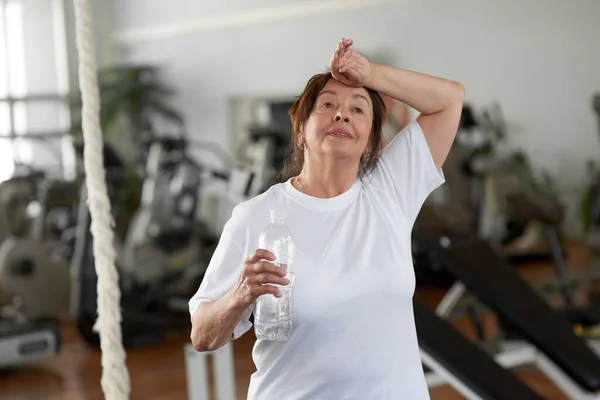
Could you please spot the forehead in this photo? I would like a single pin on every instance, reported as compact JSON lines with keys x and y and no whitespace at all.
{"x":342,"y":90}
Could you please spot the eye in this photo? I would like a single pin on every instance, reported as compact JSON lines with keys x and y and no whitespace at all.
{"x":358,"y":110}
{"x":327,"y":105}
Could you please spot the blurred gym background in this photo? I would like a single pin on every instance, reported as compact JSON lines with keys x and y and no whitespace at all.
{"x":195,"y":97}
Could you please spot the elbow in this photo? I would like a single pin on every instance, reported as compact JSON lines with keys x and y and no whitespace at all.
{"x":200,"y":345}
{"x":458,"y":94}
{"x":201,"y":348}
{"x":196,"y":342}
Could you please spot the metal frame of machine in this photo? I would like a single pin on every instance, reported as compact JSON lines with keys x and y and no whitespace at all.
{"x":512,"y":354}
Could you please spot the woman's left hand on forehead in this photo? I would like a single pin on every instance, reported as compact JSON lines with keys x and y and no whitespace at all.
{"x":348,"y":66}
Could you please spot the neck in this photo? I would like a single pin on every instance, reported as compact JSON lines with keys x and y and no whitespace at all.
{"x":327,"y":180}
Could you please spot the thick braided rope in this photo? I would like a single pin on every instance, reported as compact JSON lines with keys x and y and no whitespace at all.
{"x":115,"y":378}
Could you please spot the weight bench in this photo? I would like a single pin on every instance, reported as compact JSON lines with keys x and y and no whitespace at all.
{"x":567,"y":359}
{"x":459,"y":362}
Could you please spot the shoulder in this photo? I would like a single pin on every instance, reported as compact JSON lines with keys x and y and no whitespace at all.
{"x":405,"y":172}
{"x":408,"y":147}
{"x":412,"y":131}
{"x":257,"y":204}
{"x":253,"y":212}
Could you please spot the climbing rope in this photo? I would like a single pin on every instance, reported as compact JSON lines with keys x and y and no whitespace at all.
{"x":115,"y":378}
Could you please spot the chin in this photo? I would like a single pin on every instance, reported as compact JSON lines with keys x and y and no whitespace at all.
{"x":339,"y":152}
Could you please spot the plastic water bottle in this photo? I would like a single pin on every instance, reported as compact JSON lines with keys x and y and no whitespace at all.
{"x":272,"y":315}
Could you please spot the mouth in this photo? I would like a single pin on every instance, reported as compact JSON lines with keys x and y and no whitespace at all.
{"x":340,"y":133}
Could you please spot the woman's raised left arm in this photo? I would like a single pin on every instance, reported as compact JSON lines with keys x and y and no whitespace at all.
{"x":438,"y":100}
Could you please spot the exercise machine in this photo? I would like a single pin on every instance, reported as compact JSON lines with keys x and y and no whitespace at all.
{"x":34,"y":255}
{"x":14,"y":193}
{"x":591,"y":203}
{"x":265,"y":143}
{"x":546,"y":336}
{"x":527,"y":205}
{"x":139,"y":325}
{"x":451,"y":358}
{"x":34,"y":273}
{"x":165,"y":236}
{"x":163,"y":257}
{"x":481,"y":173}
{"x":23,"y":341}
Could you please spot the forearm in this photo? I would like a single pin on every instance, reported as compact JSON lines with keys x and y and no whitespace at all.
{"x":213,"y":323}
{"x":425,"y":93}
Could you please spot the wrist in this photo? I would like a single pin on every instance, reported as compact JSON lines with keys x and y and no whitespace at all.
{"x":233,"y":302}
{"x":372,"y":74}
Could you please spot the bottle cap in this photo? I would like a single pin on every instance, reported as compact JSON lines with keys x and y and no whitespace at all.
{"x":277,"y":215}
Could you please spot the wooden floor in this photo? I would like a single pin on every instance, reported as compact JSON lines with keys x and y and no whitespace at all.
{"x":158,"y":372}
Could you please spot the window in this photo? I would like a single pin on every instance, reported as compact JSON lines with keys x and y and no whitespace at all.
{"x":34,"y":114}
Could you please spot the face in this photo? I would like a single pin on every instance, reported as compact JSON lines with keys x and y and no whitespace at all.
{"x":340,"y":123}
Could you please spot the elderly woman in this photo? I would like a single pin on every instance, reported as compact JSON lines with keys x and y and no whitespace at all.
{"x":351,"y":205}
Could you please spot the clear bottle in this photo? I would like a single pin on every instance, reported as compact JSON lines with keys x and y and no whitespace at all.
{"x":272,"y":315}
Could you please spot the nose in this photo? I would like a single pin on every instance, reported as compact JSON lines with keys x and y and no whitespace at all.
{"x":341,"y":115}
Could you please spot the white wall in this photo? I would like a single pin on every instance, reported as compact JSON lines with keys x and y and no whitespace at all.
{"x":37,"y":67}
{"x":538,"y":58}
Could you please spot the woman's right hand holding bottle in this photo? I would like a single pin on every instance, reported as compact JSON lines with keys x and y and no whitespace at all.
{"x":257,"y":278}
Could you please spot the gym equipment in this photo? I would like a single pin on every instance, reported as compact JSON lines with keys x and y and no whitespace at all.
{"x":34,"y":276}
{"x":22,"y":341}
{"x":566,"y":358}
{"x":13,"y":195}
{"x":197,"y":372}
{"x":453,"y":359}
{"x":145,"y":316}
{"x":165,"y":236}
{"x":264,"y":152}
{"x":41,"y":283}
{"x":482,"y":196}
{"x":34,"y":253}
{"x":164,"y":254}
{"x":591,"y":205}
{"x":13,"y":214}
{"x":141,"y":325}
{"x":525,"y":206}
{"x":264,"y":148}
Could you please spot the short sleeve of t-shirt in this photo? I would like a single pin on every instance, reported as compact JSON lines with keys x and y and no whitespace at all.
{"x":407,"y":171}
{"x":221,"y":276}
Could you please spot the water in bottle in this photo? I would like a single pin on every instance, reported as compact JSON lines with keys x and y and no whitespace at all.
{"x":273,"y":316}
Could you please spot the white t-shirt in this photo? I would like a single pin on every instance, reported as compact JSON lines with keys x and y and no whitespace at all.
{"x":353,"y":334}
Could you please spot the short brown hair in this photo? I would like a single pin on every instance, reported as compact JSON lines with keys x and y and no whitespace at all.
{"x":300,"y":112}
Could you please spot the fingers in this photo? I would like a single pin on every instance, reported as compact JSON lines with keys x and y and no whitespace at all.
{"x":262,"y":267}
{"x":259,"y":275}
{"x":267,"y":278}
{"x":336,"y":66}
{"x":256,"y":291}
{"x":261,"y":254}
{"x":265,"y":289}
{"x":344,"y":44}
